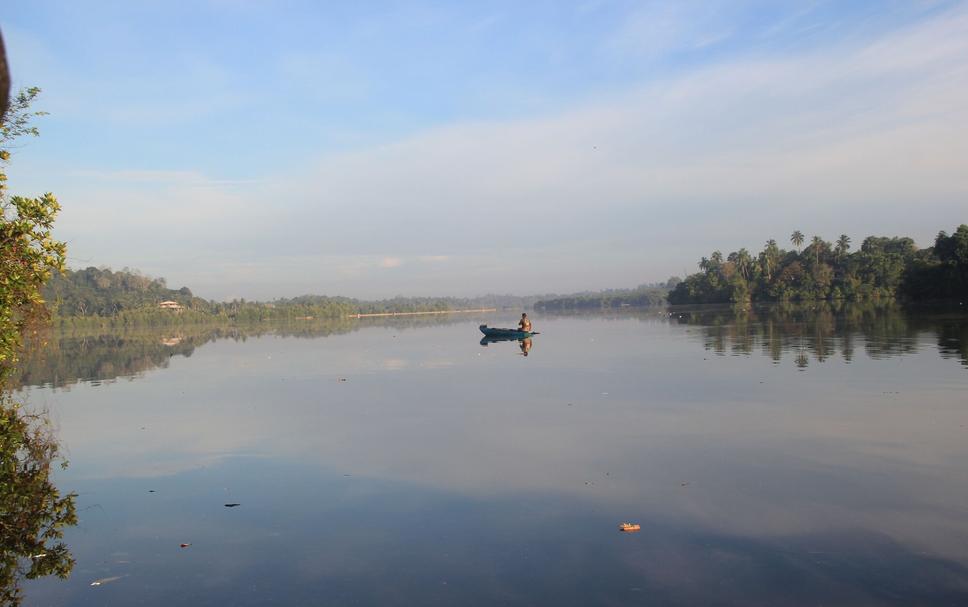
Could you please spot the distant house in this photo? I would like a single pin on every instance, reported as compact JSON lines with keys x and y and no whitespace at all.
{"x":170,"y":305}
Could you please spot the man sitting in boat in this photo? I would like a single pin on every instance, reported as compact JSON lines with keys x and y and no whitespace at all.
{"x":525,"y":323}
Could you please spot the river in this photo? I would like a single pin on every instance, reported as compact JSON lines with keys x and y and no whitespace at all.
{"x":779,"y":456}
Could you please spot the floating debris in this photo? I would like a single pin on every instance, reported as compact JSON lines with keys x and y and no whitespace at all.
{"x":684,"y":484}
{"x":629,"y":527}
{"x":185,"y":545}
{"x":106,"y":580}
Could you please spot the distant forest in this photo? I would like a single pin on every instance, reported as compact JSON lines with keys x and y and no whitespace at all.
{"x":639,"y":297}
{"x":882,"y":268}
{"x":96,"y":296}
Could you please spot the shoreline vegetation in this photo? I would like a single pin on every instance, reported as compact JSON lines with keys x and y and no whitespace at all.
{"x":884,"y":268}
{"x":100,"y":297}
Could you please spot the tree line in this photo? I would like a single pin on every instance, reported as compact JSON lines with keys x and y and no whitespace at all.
{"x":653,"y":294}
{"x":104,"y":297}
{"x":882,"y":268}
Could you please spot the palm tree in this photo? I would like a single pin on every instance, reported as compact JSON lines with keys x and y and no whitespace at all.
{"x":717,"y":258}
{"x":843,"y":245}
{"x":818,"y":246}
{"x":769,"y":258}
{"x":797,"y":239}
{"x":743,"y":263}
{"x":766,"y":265}
{"x":704,"y":264}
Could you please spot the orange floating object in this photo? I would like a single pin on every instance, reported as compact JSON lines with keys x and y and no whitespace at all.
{"x":629,"y":527}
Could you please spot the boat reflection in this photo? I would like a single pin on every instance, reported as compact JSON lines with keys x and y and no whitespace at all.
{"x":524,"y":344}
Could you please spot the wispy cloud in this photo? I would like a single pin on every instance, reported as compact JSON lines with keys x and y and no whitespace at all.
{"x":157,"y":177}
{"x":657,"y":28}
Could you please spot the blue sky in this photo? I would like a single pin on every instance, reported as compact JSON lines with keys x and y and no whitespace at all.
{"x":262,"y":149}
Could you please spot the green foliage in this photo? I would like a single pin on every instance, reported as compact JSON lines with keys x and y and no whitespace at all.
{"x":28,"y":252}
{"x":32,"y":511}
{"x":943,"y":273}
{"x":101,"y":292}
{"x":883,"y":268}
{"x":17,"y":121}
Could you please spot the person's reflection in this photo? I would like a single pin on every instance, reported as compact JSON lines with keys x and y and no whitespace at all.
{"x":525,"y":345}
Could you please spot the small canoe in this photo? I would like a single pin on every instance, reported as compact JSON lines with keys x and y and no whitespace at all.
{"x":505,"y":333}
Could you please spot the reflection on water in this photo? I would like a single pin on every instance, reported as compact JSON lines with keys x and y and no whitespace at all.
{"x":33,"y":513}
{"x":68,"y":357}
{"x":523,"y":344}
{"x":820,"y":459}
{"x":820,"y":330}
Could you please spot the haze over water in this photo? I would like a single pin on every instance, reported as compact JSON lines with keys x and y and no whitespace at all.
{"x":782,"y":456}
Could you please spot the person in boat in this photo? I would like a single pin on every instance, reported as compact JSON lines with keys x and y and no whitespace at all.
{"x":525,"y":323}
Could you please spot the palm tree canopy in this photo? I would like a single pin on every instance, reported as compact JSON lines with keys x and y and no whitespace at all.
{"x":843,"y":243}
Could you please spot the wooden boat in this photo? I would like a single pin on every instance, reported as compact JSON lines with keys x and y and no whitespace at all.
{"x":505,"y":333}
{"x":629,"y":527}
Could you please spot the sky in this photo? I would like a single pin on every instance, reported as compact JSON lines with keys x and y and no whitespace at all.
{"x":272,"y":149}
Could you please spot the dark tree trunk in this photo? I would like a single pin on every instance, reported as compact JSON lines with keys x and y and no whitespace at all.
{"x":4,"y":80}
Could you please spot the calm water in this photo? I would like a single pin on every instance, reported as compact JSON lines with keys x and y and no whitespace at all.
{"x":788,"y":457}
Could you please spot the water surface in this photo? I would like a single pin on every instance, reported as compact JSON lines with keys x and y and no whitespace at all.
{"x":787,"y":456}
